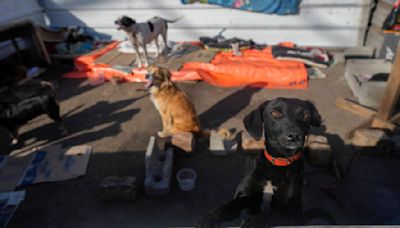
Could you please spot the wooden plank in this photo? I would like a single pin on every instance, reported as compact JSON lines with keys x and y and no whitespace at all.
{"x":322,"y":18}
{"x":378,"y":123}
{"x":391,"y":2}
{"x":392,"y":91}
{"x":320,"y":22}
{"x":365,"y":124}
{"x":381,"y":12}
{"x":354,"y":108}
{"x":163,"y":4}
{"x":375,"y":38}
{"x":123,"y":59}
{"x":108,"y":56}
{"x":41,"y":48}
{"x":306,"y":37}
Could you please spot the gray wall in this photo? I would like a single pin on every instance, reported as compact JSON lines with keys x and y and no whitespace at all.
{"x":333,"y":23}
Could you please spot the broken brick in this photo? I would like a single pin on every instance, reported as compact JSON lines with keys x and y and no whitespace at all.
{"x":249,"y":143}
{"x":184,"y":140}
{"x":368,"y":137}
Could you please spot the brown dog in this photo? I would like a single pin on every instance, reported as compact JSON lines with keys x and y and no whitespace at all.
{"x":177,"y":111}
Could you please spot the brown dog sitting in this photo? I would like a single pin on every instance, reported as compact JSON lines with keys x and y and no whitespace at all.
{"x":177,"y":111}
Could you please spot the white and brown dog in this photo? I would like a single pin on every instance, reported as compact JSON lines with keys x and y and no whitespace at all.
{"x":141,"y":34}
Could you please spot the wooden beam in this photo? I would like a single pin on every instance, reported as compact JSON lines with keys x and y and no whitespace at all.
{"x":40,"y":46}
{"x":354,"y":107}
{"x":378,"y":123}
{"x":365,"y":124}
{"x":392,"y":91}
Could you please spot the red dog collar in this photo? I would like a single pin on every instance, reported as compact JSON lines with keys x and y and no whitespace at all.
{"x":282,"y":161}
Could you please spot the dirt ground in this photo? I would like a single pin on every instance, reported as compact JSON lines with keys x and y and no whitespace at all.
{"x":117,"y":121}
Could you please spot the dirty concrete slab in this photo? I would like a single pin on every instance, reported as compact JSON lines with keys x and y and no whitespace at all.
{"x":117,"y":120}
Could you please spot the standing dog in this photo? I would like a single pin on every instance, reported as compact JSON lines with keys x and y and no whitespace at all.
{"x":141,"y":34}
{"x":177,"y":111}
{"x":34,"y":100}
{"x":277,"y":176}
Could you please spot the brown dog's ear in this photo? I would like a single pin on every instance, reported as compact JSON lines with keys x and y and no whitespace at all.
{"x":316,"y":119}
{"x":254,"y":122}
{"x":165,"y":73}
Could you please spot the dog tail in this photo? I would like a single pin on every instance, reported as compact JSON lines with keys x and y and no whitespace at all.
{"x":173,"y":21}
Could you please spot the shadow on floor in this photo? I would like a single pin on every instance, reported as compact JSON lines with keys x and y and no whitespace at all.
{"x":103,"y":119}
{"x":227,"y":107}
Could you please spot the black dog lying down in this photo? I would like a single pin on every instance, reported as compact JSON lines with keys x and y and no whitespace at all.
{"x":277,"y":175}
{"x":27,"y":102}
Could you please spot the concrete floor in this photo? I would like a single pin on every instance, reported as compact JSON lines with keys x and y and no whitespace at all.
{"x":117,"y":121}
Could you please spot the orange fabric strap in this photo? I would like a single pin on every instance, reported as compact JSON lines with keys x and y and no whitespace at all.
{"x":282,"y":161}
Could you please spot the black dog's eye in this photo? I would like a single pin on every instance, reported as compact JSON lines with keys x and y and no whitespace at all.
{"x":304,"y":116}
{"x":276,"y":115}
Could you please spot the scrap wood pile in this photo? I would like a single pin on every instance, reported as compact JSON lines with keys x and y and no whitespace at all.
{"x":372,"y":74}
{"x":219,"y":62}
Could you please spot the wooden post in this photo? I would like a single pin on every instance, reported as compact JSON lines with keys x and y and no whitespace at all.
{"x":391,"y":95}
{"x":383,"y":117}
{"x":354,"y":108}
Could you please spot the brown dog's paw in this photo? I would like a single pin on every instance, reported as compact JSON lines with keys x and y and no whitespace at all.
{"x":162,"y":134}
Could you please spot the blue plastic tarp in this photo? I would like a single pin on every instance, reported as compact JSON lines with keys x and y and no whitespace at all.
{"x":280,"y":7}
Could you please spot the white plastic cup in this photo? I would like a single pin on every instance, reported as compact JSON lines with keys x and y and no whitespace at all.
{"x":96,"y":78}
{"x":186,"y":179}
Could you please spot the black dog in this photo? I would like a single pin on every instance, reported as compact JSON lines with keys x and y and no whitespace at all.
{"x":277,"y":175}
{"x":27,"y":103}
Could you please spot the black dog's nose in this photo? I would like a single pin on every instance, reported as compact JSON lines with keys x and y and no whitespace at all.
{"x":294,"y":136}
{"x":116,"y":22}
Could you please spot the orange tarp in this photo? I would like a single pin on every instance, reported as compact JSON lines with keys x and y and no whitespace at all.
{"x":86,"y":67}
{"x":252,"y":67}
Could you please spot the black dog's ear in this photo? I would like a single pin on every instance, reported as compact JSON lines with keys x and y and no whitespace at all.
{"x":315,"y":116}
{"x":254,"y":122}
{"x":127,"y":21}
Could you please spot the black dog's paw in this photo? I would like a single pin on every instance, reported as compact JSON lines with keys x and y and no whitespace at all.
{"x":14,"y":142}
{"x":207,"y":222}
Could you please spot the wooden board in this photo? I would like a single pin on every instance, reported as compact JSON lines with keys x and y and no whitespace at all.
{"x":308,"y":37}
{"x":365,"y":124}
{"x":320,"y":22}
{"x":211,"y":18}
{"x":175,"y":64}
{"x":381,"y":12}
{"x":114,"y":57}
{"x":162,"y":4}
{"x":375,"y":38}
{"x":123,"y":59}
{"x":107,"y":57}
{"x":392,"y":92}
{"x":354,"y":108}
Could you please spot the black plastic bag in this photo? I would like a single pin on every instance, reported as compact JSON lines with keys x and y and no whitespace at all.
{"x":393,"y":18}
